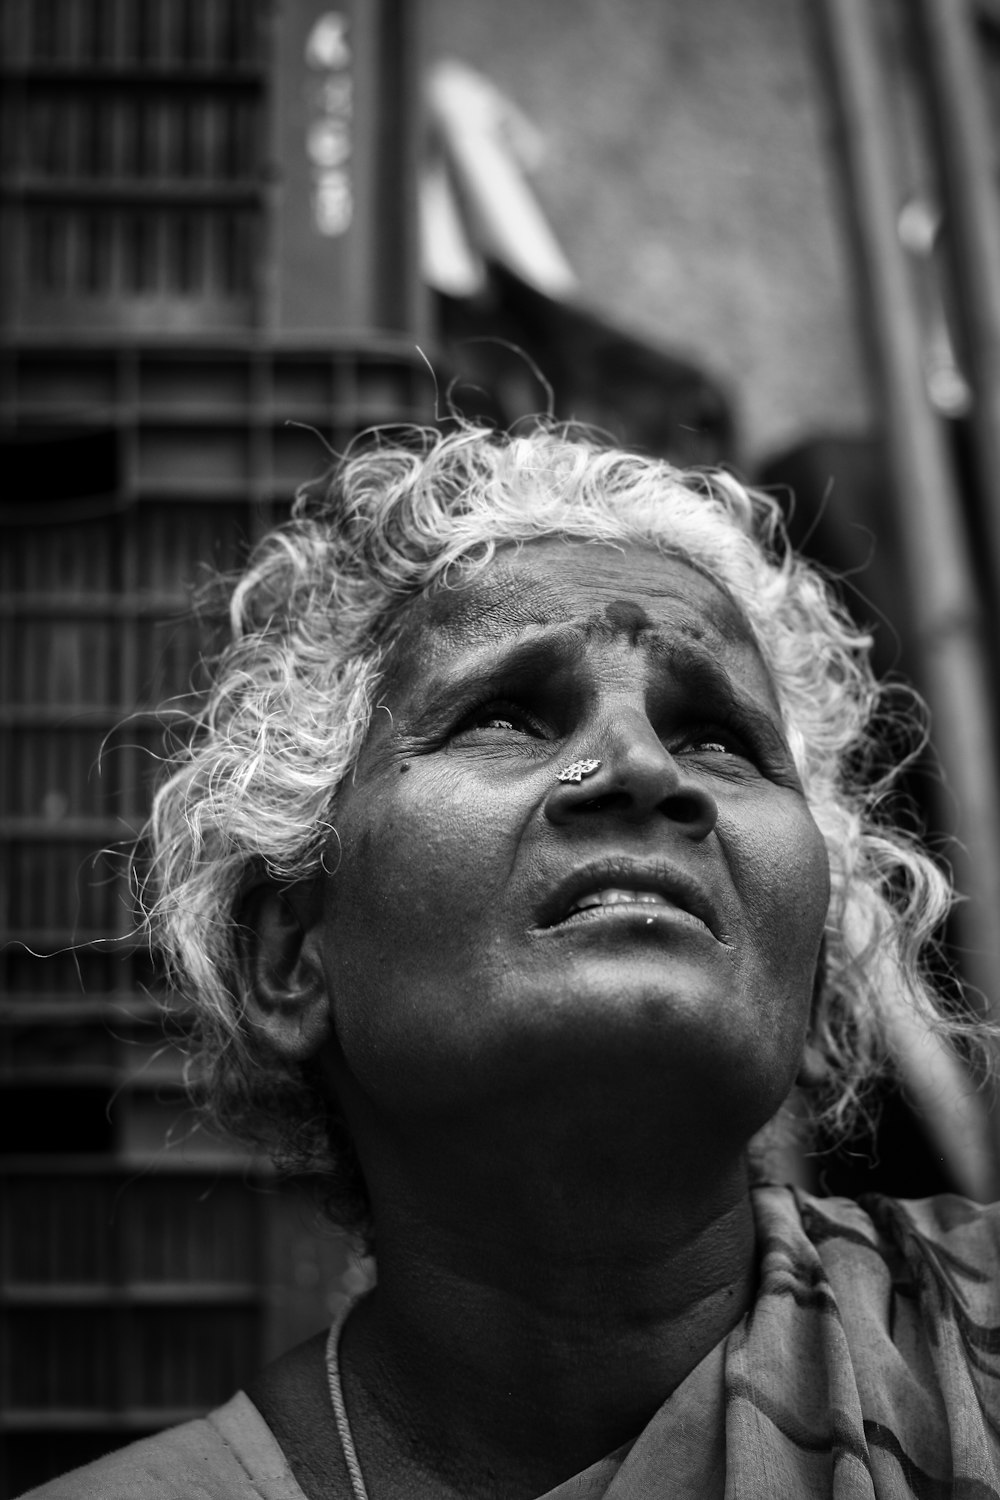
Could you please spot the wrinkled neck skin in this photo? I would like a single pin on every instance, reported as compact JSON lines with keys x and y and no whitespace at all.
{"x":543,"y":1285}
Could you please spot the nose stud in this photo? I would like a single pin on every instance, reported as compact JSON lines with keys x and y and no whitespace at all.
{"x":577,"y":770}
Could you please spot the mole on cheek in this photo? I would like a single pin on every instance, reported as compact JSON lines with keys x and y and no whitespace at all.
{"x":627,"y":618}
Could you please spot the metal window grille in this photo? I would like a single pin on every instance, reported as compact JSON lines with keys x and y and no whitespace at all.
{"x":134,"y":190}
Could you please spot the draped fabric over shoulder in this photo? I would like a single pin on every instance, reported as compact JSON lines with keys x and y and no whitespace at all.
{"x":228,"y":1455}
{"x":870,"y":1362}
{"x":869,"y":1365}
{"x":867,"y":1369}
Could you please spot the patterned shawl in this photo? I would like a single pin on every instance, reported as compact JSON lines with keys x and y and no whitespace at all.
{"x":868,"y":1366}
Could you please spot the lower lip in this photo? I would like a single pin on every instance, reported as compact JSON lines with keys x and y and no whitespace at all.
{"x":638,"y":914}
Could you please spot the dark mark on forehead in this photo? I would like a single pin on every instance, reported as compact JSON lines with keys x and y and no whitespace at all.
{"x":515,"y":594}
{"x":627,"y":618}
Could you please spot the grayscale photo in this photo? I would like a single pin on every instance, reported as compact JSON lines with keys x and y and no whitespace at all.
{"x":500,"y":750}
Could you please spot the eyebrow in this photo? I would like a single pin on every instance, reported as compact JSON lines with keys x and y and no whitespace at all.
{"x":562,"y":643}
{"x":715,"y":686}
{"x":690,"y":661}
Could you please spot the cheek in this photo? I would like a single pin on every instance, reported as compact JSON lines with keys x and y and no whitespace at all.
{"x":417,"y":865}
{"x":413,"y":914}
{"x":814,"y":877}
{"x":789,"y":895}
{"x":786,"y":903}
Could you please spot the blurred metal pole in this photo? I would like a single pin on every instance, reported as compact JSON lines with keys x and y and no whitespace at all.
{"x":936,"y":557}
{"x":963,"y":142}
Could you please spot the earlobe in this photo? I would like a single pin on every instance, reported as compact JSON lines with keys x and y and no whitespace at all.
{"x":286,"y":991}
{"x":813,"y":1067}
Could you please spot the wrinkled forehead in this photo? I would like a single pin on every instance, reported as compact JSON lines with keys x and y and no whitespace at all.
{"x":592,"y":587}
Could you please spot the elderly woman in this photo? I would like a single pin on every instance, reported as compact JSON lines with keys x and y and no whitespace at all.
{"x":519,"y":869}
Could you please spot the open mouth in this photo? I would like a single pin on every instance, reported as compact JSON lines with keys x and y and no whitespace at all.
{"x":616,"y":896}
{"x":617,"y":888}
{"x":617,"y":902}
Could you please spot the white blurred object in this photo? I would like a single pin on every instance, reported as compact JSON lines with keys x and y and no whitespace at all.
{"x":449,"y":261}
{"x":476,"y":203}
{"x":920,"y":226}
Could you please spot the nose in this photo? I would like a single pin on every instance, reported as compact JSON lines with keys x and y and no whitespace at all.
{"x":637,"y":779}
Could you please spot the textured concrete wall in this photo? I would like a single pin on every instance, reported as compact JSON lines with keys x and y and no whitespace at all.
{"x":689,"y":177}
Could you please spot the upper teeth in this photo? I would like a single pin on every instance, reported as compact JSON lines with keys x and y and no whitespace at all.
{"x":617,"y":897}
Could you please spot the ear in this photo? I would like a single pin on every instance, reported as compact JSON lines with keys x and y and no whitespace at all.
{"x":287,"y":998}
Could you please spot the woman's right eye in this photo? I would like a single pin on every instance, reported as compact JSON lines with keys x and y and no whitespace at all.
{"x":502,"y":718}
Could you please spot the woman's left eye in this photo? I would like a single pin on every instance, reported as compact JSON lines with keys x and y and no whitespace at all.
{"x":509,"y":717}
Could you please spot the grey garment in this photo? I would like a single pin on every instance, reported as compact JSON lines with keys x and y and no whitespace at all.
{"x":228,"y":1455}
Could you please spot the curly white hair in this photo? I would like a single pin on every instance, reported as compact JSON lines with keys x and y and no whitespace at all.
{"x":252,"y":796}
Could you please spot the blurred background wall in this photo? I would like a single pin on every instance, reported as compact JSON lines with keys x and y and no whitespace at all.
{"x":233,"y":231}
{"x":685,"y":165}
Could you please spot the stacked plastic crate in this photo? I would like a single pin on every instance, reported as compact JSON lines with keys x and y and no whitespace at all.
{"x":192,"y":308}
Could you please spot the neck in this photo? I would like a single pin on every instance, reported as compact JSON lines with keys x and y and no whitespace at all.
{"x":534,"y":1309}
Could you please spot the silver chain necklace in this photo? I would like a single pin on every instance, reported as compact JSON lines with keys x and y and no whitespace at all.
{"x":339,"y":1409}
